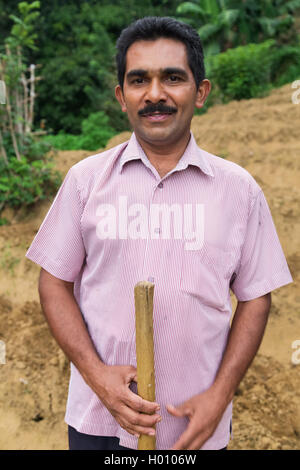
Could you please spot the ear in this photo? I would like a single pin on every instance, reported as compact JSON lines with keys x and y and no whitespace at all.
{"x":202,"y":93}
{"x":120,"y":98}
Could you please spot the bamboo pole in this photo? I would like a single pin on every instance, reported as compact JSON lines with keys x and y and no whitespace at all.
{"x":25,"y":101}
{"x":19,"y":110}
{"x":143,"y":294}
{"x":11,"y":126}
{"x":32,"y":96}
{"x":19,"y":100}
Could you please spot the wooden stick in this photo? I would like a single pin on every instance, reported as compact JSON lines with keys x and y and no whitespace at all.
{"x":32,"y":96}
{"x":143,"y":295}
{"x":18,"y":105}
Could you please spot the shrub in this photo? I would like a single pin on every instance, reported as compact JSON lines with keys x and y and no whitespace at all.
{"x":95,"y":134}
{"x":22,"y":183}
{"x":243,"y":72}
{"x":95,"y":131}
{"x":285,"y":64}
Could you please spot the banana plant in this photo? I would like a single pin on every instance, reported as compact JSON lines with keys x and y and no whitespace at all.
{"x":214,"y":20}
{"x":223,"y":24}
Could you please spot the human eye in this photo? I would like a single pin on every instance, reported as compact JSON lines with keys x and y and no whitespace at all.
{"x":173,"y":78}
{"x":138,"y":81}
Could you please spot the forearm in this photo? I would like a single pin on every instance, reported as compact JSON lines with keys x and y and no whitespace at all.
{"x":244,"y":339}
{"x":111,"y":383}
{"x":68,"y":327}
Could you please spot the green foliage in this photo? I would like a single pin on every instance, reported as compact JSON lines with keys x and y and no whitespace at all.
{"x":17,"y":116}
{"x":22,"y":32}
{"x":33,"y":148}
{"x":25,"y":175}
{"x":243,"y":72}
{"x":22,"y":183}
{"x":96,"y":131}
{"x":214,"y":21}
{"x":77,"y":50}
{"x":224,"y":24}
{"x":95,"y":134}
{"x":285,"y":64}
{"x":78,"y":65}
{"x":74,"y":41}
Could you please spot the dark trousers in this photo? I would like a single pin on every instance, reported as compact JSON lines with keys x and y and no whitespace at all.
{"x":80,"y":441}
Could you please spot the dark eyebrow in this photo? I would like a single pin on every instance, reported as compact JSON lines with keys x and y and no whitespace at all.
{"x":175,"y":71}
{"x":167,"y":71}
{"x":136,"y":73}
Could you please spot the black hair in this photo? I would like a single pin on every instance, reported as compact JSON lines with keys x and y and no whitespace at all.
{"x":154,"y":27}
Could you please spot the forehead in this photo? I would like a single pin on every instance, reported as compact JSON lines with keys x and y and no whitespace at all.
{"x":157,"y":54}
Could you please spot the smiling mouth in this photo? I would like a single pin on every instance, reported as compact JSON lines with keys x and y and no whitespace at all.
{"x":157,"y":116}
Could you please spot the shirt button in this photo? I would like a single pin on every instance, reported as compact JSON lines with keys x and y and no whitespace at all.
{"x":157,"y":230}
{"x":161,"y":185}
{"x":150,"y":279}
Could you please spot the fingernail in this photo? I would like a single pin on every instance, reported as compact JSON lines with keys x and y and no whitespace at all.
{"x":151,"y":433}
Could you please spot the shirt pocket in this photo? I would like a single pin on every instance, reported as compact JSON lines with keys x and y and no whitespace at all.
{"x":206,"y":274}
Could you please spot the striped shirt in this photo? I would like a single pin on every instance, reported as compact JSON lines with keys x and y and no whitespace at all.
{"x":201,"y":230}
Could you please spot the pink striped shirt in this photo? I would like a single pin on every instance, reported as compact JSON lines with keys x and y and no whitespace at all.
{"x":202,"y":229}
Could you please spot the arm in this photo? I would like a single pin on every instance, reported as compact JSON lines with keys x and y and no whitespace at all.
{"x":206,"y":409}
{"x":110,"y":383}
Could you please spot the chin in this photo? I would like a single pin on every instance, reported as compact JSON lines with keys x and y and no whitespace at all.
{"x":156,"y":135}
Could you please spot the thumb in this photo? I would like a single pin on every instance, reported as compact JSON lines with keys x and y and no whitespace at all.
{"x":132,"y":374}
{"x":179,"y":411}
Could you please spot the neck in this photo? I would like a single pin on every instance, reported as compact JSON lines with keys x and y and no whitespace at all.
{"x":164,"y":156}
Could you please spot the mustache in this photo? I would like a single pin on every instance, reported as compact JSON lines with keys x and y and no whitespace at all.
{"x":157,"y":108}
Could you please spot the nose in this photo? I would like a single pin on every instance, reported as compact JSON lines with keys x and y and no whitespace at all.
{"x":155,"y":92}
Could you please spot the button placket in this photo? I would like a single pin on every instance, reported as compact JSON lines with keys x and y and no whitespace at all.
{"x":147,"y":269}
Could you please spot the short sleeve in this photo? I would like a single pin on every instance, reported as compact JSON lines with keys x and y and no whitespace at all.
{"x":58,"y":245}
{"x":262,"y":267}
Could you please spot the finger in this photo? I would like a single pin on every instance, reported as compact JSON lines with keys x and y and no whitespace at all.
{"x":137,"y":403}
{"x":180,"y":411}
{"x":141,"y":419}
{"x":139,"y":423}
{"x":128,"y":428}
{"x":134,"y":400}
{"x":197,"y":443}
{"x":138,"y":431}
{"x":131,"y":375}
{"x":186,"y":439}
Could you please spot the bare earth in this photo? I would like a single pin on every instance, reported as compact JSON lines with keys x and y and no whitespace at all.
{"x":262,"y":135}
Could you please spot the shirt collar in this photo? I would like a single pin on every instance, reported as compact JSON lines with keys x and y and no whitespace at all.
{"x":193,"y":155}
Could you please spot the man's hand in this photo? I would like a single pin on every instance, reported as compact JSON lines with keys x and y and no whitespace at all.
{"x":206,"y":409}
{"x":110,"y":383}
{"x":133,"y":413}
{"x":204,"y":414}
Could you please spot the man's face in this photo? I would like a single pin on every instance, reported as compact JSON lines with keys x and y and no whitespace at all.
{"x":159,"y":92}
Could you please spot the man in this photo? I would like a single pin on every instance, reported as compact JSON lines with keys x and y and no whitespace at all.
{"x":157,"y":208}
